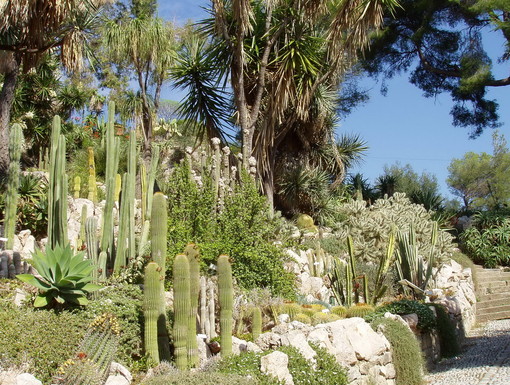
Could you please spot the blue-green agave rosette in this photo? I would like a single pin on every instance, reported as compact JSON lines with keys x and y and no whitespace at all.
{"x":63,"y":276}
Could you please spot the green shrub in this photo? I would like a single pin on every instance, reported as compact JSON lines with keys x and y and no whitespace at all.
{"x":447,"y":334}
{"x":44,"y":338}
{"x":327,"y":371}
{"x":243,"y":230}
{"x":125,"y":303}
{"x":199,"y":378}
{"x":407,"y":354}
{"x":426,"y":319}
{"x":488,"y":243}
{"x":246,"y":364}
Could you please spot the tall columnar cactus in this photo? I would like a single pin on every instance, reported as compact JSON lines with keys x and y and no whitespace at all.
{"x":181,"y":310}
{"x":151,"y":309}
{"x":92,"y":247}
{"x":226,"y":299}
{"x":81,"y":237}
{"x":151,"y":179}
{"x":256,"y":325}
{"x":203,"y":306}
{"x":216,"y":166}
{"x":112,"y":163}
{"x":77,"y":187}
{"x":57,"y":189}
{"x":191,"y":252}
{"x":131,"y":186}
{"x":159,"y":227}
{"x":119,"y":260}
{"x":92,"y":187}
{"x":11,"y":204}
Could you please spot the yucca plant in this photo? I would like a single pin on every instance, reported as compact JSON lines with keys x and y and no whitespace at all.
{"x":64,"y":278}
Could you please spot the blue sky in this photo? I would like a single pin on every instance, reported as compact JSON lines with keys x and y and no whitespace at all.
{"x":401,"y":127}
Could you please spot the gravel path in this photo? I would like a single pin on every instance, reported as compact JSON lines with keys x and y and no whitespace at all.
{"x":484,"y":361}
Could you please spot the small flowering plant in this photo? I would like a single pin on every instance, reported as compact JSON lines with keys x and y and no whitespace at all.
{"x":63,"y":277}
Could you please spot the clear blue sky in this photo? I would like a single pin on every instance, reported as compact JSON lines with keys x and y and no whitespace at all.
{"x":401,"y":127}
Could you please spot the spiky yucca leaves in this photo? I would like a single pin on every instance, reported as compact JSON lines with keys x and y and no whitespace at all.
{"x":64,"y":277}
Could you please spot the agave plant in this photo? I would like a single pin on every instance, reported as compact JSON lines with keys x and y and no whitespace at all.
{"x":63,"y":277}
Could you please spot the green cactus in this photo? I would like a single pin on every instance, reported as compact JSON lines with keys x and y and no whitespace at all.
{"x":359,"y":310}
{"x":92,"y":362}
{"x":151,"y":309}
{"x":92,"y":187}
{"x":112,"y":163}
{"x":81,"y":237}
{"x":158,"y":232}
{"x":152,"y":178}
{"x":92,"y":247}
{"x":226,"y":299}
{"x":182,"y":306}
{"x":339,"y":311}
{"x":11,"y":204}
{"x":256,"y":324}
{"x":77,"y":187}
{"x":191,"y":252}
{"x":122,"y":238}
{"x":131,"y":186}
{"x":57,"y":188}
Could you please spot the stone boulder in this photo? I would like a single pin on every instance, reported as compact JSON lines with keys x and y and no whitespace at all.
{"x":276,"y":365}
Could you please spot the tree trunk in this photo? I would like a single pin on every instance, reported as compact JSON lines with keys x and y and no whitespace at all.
{"x":11,"y":67}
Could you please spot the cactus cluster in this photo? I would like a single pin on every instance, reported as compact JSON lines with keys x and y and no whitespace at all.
{"x":91,"y":364}
{"x":226,"y":300}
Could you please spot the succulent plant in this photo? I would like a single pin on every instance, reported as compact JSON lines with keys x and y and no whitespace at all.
{"x":64,"y":277}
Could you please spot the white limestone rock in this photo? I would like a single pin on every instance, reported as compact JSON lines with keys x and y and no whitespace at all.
{"x":276,"y":365}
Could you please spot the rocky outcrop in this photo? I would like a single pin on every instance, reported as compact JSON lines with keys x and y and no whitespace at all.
{"x":455,"y":289}
{"x":364,"y":353}
{"x":276,"y":364}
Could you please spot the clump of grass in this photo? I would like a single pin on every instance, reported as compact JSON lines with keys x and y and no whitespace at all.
{"x":407,"y":354}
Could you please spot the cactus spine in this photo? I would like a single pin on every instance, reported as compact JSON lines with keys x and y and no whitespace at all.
{"x":256,"y":326}
{"x":151,"y":309}
{"x":181,"y":310}
{"x":57,"y":189}
{"x":226,"y":298}
{"x":159,"y":250}
{"x":191,"y":252}
{"x":11,"y":204}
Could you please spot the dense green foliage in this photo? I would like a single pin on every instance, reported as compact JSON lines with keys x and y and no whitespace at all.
{"x":442,"y":44}
{"x":243,"y":230}
{"x":481,"y":179}
{"x":487,"y":241}
{"x":199,"y":378}
{"x":426,"y":319}
{"x":406,"y":351}
{"x":42,"y":338}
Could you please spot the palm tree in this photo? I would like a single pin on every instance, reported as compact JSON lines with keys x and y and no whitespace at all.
{"x":147,"y":45}
{"x":28,"y":29}
{"x":285,"y":59}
